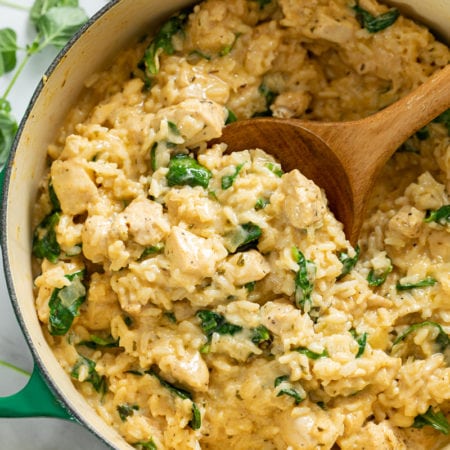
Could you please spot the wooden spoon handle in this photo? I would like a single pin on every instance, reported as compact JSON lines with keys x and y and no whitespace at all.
{"x":369,"y":143}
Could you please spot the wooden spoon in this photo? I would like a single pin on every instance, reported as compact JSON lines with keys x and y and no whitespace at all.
{"x":344,"y":158}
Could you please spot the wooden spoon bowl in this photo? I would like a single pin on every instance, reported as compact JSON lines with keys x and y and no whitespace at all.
{"x":344,"y":158}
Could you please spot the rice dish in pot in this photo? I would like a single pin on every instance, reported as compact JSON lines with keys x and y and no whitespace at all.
{"x":200,"y":299}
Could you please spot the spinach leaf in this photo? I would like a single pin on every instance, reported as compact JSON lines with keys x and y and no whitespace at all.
{"x":8,"y":129}
{"x":262,"y":3}
{"x":269,"y":97}
{"x":372,"y":23}
{"x":212,"y":322}
{"x":147,"y":445}
{"x":195,"y":422}
{"x":261,"y":335}
{"x":304,"y":279}
{"x":285,"y":388}
{"x":162,"y":42}
{"x":312,"y":355}
{"x":152,"y":250}
{"x":97,"y":342}
{"x":8,"y":48}
{"x":423,"y":134}
{"x":126,"y":411}
{"x":442,"y":338}
{"x":378,"y":277}
{"x":444,"y":118}
{"x":348,"y":263}
{"x":231,"y":117}
{"x":86,"y":364}
{"x":361,"y":341}
{"x":429,"y":281}
{"x":261,"y":203}
{"x":45,"y":244}
{"x":250,"y":286}
{"x":228,"y":180}
{"x":243,"y":237}
{"x":275,"y":168}
{"x":435,"y":419}
{"x":58,"y":25}
{"x":440,"y":216}
{"x":227,"y":49}
{"x":184,"y":170}
{"x":64,"y":304}
{"x":56,"y":206}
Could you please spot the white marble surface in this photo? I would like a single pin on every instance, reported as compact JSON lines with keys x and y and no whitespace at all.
{"x":30,"y":434}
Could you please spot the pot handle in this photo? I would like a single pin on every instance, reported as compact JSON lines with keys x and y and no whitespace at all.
{"x":34,"y":400}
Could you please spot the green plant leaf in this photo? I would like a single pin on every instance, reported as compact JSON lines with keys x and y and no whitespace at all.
{"x":65,"y":303}
{"x":40,"y":7}
{"x":8,"y":129}
{"x":348,"y":263}
{"x":304,"y":279}
{"x":435,"y":419}
{"x":8,"y":48}
{"x":58,"y":25}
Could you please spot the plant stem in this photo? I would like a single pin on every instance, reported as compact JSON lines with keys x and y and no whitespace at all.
{"x":15,"y":368}
{"x":16,"y":75}
{"x":13,"y":5}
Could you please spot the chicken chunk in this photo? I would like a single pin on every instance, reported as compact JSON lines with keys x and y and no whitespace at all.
{"x":146,"y":222}
{"x":407,"y":222}
{"x":101,"y":304}
{"x":188,"y":368}
{"x":375,"y":436}
{"x":304,"y":204}
{"x":309,"y":428}
{"x":197,"y":120}
{"x":192,"y":254}
{"x":73,"y":187}
{"x":245,"y":267}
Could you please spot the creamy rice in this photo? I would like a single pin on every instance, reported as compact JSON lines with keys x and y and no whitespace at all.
{"x":209,"y":300}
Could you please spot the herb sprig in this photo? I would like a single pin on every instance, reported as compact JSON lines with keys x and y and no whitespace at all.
{"x":55,"y":22}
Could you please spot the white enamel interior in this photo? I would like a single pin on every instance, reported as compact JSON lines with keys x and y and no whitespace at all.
{"x":113,"y":30}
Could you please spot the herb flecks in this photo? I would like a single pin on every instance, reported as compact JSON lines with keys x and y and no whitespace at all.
{"x":374,"y":24}
{"x":435,"y":419}
{"x":284,"y":387}
{"x":348,"y":262}
{"x":304,"y":280}
{"x":440,"y":216}
{"x":196,"y":422}
{"x":426,"y":282}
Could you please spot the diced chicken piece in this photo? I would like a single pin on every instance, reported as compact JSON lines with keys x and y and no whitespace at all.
{"x":187,"y":367}
{"x":246,"y":267}
{"x":374,"y":437}
{"x":146,"y":222}
{"x":407,"y":222}
{"x":101,"y":303}
{"x":288,"y":322}
{"x":191,"y":206}
{"x":95,"y":238}
{"x":192,"y":254}
{"x":291,"y":104}
{"x":73,"y":187}
{"x":197,"y":120}
{"x":310,"y":428}
{"x":304,"y":204}
{"x":332,"y":30}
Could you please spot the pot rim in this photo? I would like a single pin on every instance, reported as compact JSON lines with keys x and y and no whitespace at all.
{"x":6,"y":174}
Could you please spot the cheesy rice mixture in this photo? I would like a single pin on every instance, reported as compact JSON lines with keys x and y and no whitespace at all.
{"x":199,"y":299}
